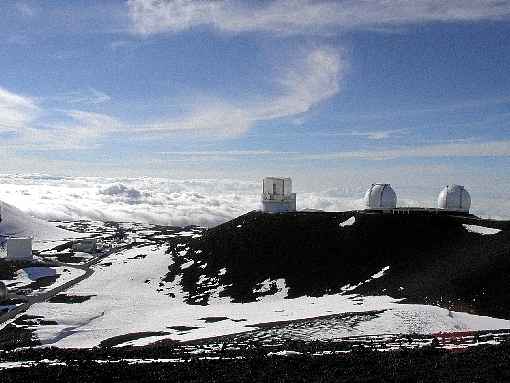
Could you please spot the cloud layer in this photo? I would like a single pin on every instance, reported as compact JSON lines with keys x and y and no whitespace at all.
{"x":185,"y":202}
{"x":304,"y":16}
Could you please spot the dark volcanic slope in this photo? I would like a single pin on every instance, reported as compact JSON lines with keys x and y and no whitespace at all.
{"x":432,"y":258}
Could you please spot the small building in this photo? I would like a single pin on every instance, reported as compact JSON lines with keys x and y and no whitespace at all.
{"x":380,"y":196}
{"x":3,"y":292}
{"x":19,"y":249}
{"x":277,"y":196}
{"x":87,"y":245}
{"x":454,"y":198}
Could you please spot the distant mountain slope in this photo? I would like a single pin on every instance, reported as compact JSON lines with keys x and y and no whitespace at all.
{"x":16,"y":223}
{"x":426,"y":258}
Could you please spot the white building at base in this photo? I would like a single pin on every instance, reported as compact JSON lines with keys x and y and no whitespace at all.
{"x":19,"y":249}
{"x":277,"y":196}
{"x":380,"y":196}
{"x":454,"y":198}
{"x":87,"y":245}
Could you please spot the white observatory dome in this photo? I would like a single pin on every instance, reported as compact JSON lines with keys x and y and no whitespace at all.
{"x":455,"y":198}
{"x":380,"y":196}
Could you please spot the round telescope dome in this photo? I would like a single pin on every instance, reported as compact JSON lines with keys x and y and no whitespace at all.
{"x":455,"y":198}
{"x":380,"y":196}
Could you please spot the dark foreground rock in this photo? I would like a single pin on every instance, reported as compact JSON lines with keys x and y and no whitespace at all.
{"x":432,"y":258}
{"x":479,"y":364}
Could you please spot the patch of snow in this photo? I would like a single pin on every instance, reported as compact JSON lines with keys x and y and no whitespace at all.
{"x":122,"y":304}
{"x":380,"y":273}
{"x":348,"y":222}
{"x":185,"y":265}
{"x":481,"y":229}
{"x":285,"y":353}
{"x":281,"y":288}
{"x":29,"y":275}
{"x":222,"y":271}
{"x":186,"y":233}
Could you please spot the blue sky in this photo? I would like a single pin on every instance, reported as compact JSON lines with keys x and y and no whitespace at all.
{"x":398,"y":91}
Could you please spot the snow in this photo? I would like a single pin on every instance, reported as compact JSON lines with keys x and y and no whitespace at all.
{"x":380,"y":273}
{"x":123,"y":303}
{"x":422,"y":319}
{"x":285,"y":353}
{"x":348,"y":222}
{"x":281,"y":287}
{"x":481,"y":229}
{"x":377,"y":275}
{"x":29,"y":275}
{"x":15,"y":223}
{"x":185,"y":265}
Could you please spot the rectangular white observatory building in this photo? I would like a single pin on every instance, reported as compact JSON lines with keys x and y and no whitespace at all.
{"x":277,"y":196}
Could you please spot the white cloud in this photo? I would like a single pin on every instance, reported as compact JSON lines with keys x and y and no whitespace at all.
{"x":312,"y":79}
{"x":379,"y":134}
{"x":304,"y":16}
{"x":479,"y":149}
{"x":25,"y":9}
{"x":83,"y":131}
{"x":23,"y":118}
{"x":375,"y":135}
{"x":88,"y":96}
{"x":227,"y":153}
{"x":16,"y":111}
{"x":306,"y":82}
{"x":213,"y":118}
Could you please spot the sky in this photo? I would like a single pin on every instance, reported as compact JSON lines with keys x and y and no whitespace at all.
{"x":331,"y":93}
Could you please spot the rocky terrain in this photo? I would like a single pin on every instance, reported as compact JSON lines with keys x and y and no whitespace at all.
{"x":455,"y":262}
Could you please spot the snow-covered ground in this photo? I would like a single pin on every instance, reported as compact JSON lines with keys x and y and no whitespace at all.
{"x":128,"y":296}
{"x":481,"y":229}
{"x":29,"y":275}
{"x":16,"y":223}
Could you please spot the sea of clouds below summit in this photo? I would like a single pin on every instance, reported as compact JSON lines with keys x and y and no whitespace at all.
{"x":173,"y":202}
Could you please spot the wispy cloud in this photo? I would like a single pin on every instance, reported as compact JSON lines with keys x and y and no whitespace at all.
{"x":216,"y":118}
{"x":456,"y":149}
{"x":379,"y":134}
{"x":306,"y":82}
{"x":83,"y":130}
{"x":375,"y":135}
{"x":16,"y":111}
{"x":25,"y":9}
{"x":22,"y":118}
{"x":305,"y":16}
{"x":236,"y":153}
{"x":88,"y":96}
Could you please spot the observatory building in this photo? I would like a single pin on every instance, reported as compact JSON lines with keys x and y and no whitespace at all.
{"x":454,"y":198}
{"x":380,"y":196}
{"x":19,"y":249}
{"x":277,"y":196}
{"x":87,"y":245}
